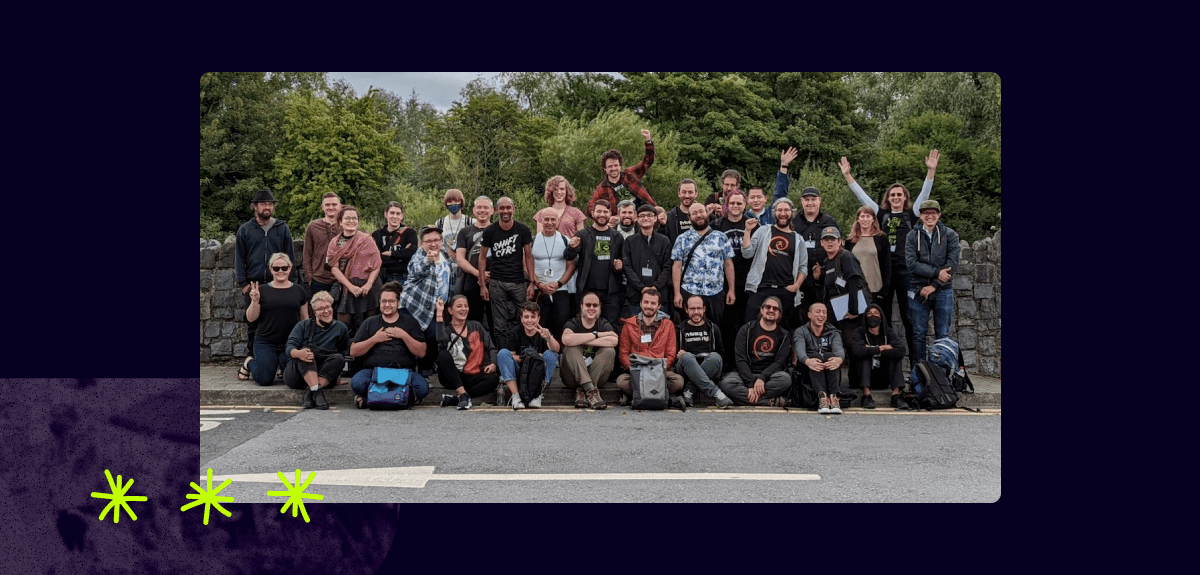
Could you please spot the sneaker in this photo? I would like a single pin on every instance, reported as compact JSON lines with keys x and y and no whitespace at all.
{"x":723,"y":400}
{"x":517,"y":403}
{"x":580,"y":400}
{"x":688,"y":396}
{"x":823,"y":405}
{"x":448,"y":400}
{"x":594,"y":400}
{"x":308,"y":399}
{"x":500,"y":389}
{"x":867,"y":402}
{"x":834,"y":406}
{"x":464,"y":401}
{"x":536,"y":403}
{"x":319,"y":399}
{"x":625,"y":399}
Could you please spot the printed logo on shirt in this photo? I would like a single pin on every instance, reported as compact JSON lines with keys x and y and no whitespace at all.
{"x":764,"y":346}
{"x":779,"y":245}
{"x":603,"y":247}
{"x":506,"y":247}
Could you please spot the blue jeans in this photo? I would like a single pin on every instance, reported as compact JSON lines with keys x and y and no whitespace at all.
{"x":268,"y":358}
{"x":701,"y":373}
{"x":508,"y":367}
{"x":941,"y":303}
{"x":362,"y":379}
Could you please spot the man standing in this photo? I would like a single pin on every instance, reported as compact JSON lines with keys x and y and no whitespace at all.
{"x":469,"y":242}
{"x":809,"y":224}
{"x":599,"y":267}
{"x":760,"y":352}
{"x":626,"y":219}
{"x":386,"y":339}
{"x":649,"y":335}
{"x":646,"y":259}
{"x":316,"y":243}
{"x":703,"y":265}
{"x":699,"y":357}
{"x":589,"y":352}
{"x":256,"y":240}
{"x":679,"y":219}
{"x":878,"y":352}
{"x":506,"y":254}
{"x":779,"y":264}
{"x":733,"y":225}
{"x":730,"y":181}
{"x":617,"y":184}
{"x":428,"y":282}
{"x":931,"y":253}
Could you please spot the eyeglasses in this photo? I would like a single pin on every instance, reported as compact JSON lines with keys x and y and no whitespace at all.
{"x":280,"y":268}
{"x":388,"y":301}
{"x":591,"y":305}
{"x":771,"y":307}
{"x":350,"y":219}
{"x":322,"y":309}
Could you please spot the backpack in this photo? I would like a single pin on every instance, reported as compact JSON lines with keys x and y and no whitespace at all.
{"x":531,"y":375}
{"x":390,"y":388}
{"x":946,"y":353}
{"x":934,"y":390}
{"x":801,"y":394}
{"x":648,"y":382}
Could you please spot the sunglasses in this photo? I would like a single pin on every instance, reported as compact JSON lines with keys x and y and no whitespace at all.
{"x":280,"y":268}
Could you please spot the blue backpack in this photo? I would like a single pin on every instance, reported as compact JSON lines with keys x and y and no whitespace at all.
{"x":390,"y":388}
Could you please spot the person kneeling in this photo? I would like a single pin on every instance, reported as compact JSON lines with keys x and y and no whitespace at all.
{"x":466,"y":359}
{"x":760,"y":352}
{"x":819,"y":349}
{"x":316,"y":347}
{"x":648,"y":334}
{"x":698,"y":360}
{"x":878,"y":352}
{"x":531,"y":336}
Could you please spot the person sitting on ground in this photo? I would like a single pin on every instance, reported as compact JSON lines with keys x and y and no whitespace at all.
{"x":699,"y":359}
{"x":531,"y":336}
{"x":761,"y":352}
{"x":317,"y":349}
{"x":276,"y":307}
{"x":589,"y":351}
{"x":390,"y":339}
{"x":819,"y":351}
{"x":648,"y":334}
{"x":879,"y":353}
{"x":466,"y":358}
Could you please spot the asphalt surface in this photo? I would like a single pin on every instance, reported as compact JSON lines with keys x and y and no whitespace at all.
{"x":868,"y":456}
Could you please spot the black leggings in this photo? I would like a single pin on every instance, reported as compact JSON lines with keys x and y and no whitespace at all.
{"x":476,"y":385}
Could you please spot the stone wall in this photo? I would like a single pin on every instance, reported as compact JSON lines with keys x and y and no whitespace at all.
{"x":976,"y":314}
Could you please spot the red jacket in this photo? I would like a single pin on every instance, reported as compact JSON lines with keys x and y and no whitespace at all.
{"x":662,"y":341}
{"x":632,"y":180}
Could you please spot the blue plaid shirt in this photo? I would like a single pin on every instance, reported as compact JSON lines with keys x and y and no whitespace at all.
{"x":426,"y":284}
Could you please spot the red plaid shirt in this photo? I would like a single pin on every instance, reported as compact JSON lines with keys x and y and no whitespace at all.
{"x":631,"y":178}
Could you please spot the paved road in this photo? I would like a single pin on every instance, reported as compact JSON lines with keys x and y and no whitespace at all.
{"x":879,"y":456}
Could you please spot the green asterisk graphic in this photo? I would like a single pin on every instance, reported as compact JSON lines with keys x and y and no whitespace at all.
{"x":295,"y":494}
{"x":118,"y":498}
{"x":208,"y":497}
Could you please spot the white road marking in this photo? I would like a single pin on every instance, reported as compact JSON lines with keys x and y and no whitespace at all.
{"x":204,"y":412}
{"x":419,"y":476}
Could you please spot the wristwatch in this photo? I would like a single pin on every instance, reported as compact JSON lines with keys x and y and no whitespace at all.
{"x":595,"y":333}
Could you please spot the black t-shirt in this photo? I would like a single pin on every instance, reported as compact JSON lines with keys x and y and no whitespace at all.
{"x":600,"y":262}
{"x":469,"y":238}
{"x":699,"y":340}
{"x":741,"y":266}
{"x":517,"y":341}
{"x":780,"y":257}
{"x":393,"y":350}
{"x":575,"y":324}
{"x":279,"y":311}
{"x":764,"y":345}
{"x":506,"y":251}
{"x":896,"y":226}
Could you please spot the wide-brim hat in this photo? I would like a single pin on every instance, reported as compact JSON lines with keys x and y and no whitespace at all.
{"x":263,"y":196}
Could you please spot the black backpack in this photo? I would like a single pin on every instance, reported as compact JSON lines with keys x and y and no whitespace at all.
{"x":801,"y":394}
{"x":530,"y":375}
{"x":934,"y":389}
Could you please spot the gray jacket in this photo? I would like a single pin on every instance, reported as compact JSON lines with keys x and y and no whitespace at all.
{"x":806,"y":345}
{"x":757,"y":250}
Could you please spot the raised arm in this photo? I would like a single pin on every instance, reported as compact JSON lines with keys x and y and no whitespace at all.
{"x":862,"y":196}
{"x":931,"y":163}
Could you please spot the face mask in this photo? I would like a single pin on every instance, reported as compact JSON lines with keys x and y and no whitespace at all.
{"x":454,"y":208}
{"x":873,"y":321}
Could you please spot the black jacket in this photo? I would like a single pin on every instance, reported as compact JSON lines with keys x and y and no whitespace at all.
{"x":811,"y":232}
{"x":638,"y":252}
{"x":586,"y":251}
{"x":844,"y":266}
{"x":863,"y":344}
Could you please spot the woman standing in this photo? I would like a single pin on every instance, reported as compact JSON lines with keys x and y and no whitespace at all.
{"x":396,"y":243}
{"x":277,"y":307}
{"x":466,"y":358}
{"x":896,"y":218}
{"x":355,"y":262}
{"x":870,"y":247}
{"x":554,"y":273}
{"x":560,"y":197}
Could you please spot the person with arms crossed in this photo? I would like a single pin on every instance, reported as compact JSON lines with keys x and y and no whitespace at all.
{"x":589,"y":352}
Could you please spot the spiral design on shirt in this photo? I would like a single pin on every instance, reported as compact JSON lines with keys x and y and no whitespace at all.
{"x":763,"y":345}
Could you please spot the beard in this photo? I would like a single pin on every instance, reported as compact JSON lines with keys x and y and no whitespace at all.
{"x":600,"y":220}
{"x":700,"y":225}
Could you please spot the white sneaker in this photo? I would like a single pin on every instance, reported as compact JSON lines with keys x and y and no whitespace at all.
{"x":516,"y":403}
{"x":536,"y":403}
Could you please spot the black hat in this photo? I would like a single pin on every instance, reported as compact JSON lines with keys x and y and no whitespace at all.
{"x":263,"y":196}
{"x":810,"y":191}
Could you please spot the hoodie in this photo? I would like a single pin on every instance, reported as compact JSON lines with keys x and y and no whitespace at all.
{"x":926,"y":256}
{"x":866,"y":344}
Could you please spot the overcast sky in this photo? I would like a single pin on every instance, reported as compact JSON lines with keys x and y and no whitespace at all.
{"x":440,"y":89}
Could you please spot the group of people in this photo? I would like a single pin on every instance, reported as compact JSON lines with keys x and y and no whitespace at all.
{"x":586,"y":290}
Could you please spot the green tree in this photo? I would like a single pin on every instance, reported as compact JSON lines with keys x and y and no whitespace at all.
{"x":342,"y":144}
{"x":583,"y":96}
{"x":241,"y":119}
{"x":817,"y":114}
